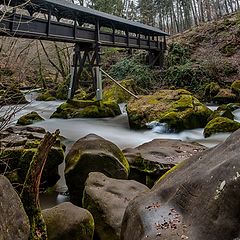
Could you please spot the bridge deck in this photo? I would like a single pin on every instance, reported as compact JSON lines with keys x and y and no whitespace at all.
{"x":41,"y":23}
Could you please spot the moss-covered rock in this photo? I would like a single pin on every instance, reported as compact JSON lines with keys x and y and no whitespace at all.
{"x":46,"y":96}
{"x":225,"y":95}
{"x":211,"y":90}
{"x":222,"y":111}
{"x":29,"y":118}
{"x":220,"y":124}
{"x":115,"y":93}
{"x":92,"y":154}
{"x":16,"y":157}
{"x":12,"y":95}
{"x":68,"y":222}
{"x":236,"y":87}
{"x":87,"y":109}
{"x":178,"y":108}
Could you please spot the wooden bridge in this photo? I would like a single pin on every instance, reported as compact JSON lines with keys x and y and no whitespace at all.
{"x":62,"y":21}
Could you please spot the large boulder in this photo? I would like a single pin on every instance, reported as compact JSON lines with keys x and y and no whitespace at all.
{"x":74,"y":108}
{"x":151,"y":160}
{"x":13,"y":219}
{"x":17,"y":147}
{"x":220,"y":125}
{"x":92,"y":154}
{"x":107,"y":198}
{"x":178,"y":108}
{"x":196,"y":200}
{"x":69,"y":222}
{"x":29,"y":118}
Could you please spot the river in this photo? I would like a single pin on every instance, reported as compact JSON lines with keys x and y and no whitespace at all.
{"x":113,"y":129}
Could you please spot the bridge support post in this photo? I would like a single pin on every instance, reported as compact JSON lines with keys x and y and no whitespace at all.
{"x":74,"y":72}
{"x":98,"y":74}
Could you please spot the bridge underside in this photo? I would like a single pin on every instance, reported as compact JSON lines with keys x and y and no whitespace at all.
{"x":41,"y":22}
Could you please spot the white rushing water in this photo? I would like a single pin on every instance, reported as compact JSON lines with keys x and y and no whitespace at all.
{"x":114,"y":129}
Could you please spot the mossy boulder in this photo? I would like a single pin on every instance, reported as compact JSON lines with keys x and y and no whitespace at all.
{"x":178,"y":108}
{"x":16,"y":156}
{"x":211,"y":90}
{"x":87,"y":109}
{"x":68,"y":222}
{"x":92,"y":154}
{"x":222,"y":111}
{"x":225,"y":95}
{"x":115,"y":93}
{"x":29,"y":118}
{"x":236,"y":87}
{"x":219,"y":125}
{"x":46,"y":96}
{"x":12,"y":95}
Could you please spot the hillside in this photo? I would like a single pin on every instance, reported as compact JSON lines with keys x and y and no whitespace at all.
{"x":206,"y":53}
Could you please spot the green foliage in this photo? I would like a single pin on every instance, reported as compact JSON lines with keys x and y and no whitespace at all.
{"x":177,"y":54}
{"x":132,"y":68}
{"x":190,"y":75}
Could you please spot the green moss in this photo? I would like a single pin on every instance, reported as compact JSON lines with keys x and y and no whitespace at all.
{"x":12,"y":95}
{"x":236,"y":87}
{"x":87,"y":109}
{"x":46,"y":96}
{"x":115,"y":93}
{"x":211,"y":90}
{"x":29,"y":118}
{"x":222,"y":111}
{"x":220,"y":124}
{"x":178,"y":108}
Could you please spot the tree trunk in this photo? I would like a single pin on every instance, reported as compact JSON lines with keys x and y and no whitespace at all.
{"x":30,"y":191}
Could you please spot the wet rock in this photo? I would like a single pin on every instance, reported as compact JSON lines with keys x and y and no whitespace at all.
{"x":46,"y":96}
{"x":107,"y":198}
{"x":151,"y":160}
{"x":69,"y":222}
{"x":223,"y":111}
{"x":220,"y":125}
{"x":211,"y":90}
{"x":178,"y":108}
{"x":13,"y":219}
{"x":29,"y":118}
{"x":196,"y":200}
{"x":92,"y":154}
{"x":224,"y":96}
{"x":17,"y":147}
{"x":236,"y":87}
{"x":87,"y":109}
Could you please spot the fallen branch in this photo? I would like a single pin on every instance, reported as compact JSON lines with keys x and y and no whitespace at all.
{"x":30,"y":191}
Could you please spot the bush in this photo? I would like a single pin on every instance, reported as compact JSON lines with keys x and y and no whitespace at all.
{"x":132,"y":68}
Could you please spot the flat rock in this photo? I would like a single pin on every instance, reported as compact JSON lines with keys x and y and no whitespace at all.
{"x":196,"y":200}
{"x":151,"y":160}
{"x":107,"y":198}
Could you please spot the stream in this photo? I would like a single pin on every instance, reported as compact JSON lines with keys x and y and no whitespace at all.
{"x":113,"y":129}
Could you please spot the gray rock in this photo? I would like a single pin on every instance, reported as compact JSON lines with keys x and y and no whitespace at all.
{"x":107,"y":198}
{"x":68,"y":222}
{"x":13,"y":219}
{"x":197,"y":200}
{"x":92,"y":154}
{"x":151,"y":160}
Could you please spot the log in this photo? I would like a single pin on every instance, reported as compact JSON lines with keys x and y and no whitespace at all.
{"x":30,"y":192}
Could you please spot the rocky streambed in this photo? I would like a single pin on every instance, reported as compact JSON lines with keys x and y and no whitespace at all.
{"x":126,"y":184}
